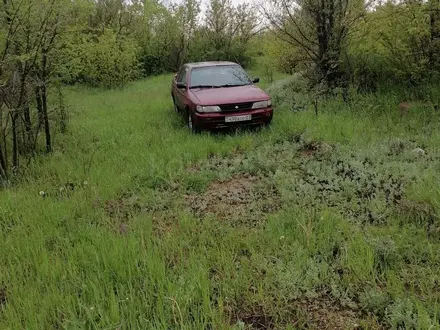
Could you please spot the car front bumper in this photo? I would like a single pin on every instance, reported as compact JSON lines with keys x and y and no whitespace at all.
{"x":218,"y":119}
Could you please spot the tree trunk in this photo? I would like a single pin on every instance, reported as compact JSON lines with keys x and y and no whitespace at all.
{"x":14,"y":140}
{"x":323,"y":41}
{"x":20,"y":107}
{"x":28,"y":127}
{"x":46,"y":119}
{"x":330,"y":34}
{"x":39,"y":106}
{"x":3,"y":161}
{"x":44,"y":101}
{"x":3,"y":169}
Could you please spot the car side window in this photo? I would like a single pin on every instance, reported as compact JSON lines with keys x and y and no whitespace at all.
{"x":181,"y":77}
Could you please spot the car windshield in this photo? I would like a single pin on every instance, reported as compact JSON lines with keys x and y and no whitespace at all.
{"x":219,"y":76}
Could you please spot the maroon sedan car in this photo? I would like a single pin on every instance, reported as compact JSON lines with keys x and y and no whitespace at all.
{"x":217,"y":95}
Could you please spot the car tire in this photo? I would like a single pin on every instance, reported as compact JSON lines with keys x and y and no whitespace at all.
{"x":190,"y":123}
{"x":176,"y":108}
{"x":267,"y":124}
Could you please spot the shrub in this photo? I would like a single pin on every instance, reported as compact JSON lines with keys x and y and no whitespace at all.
{"x":290,"y":92}
{"x":108,"y":60}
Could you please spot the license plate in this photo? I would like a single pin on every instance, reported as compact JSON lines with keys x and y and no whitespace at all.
{"x":234,"y":119}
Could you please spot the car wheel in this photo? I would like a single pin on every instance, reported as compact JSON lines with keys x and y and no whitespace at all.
{"x":267,"y":124}
{"x":176,"y":108}
{"x":191,"y":125}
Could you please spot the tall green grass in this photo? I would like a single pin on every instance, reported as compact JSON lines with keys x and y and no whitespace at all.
{"x":77,"y":259}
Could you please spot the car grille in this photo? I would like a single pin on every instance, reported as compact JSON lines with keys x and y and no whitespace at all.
{"x":236,"y":107}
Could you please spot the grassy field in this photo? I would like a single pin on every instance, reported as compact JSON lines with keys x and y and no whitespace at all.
{"x":317,"y":223}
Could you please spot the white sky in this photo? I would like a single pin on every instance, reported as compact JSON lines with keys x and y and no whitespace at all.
{"x":205,"y":2}
{"x":238,"y":2}
{"x":234,"y":2}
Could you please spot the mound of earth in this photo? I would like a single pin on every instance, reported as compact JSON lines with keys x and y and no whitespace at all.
{"x":243,"y":197}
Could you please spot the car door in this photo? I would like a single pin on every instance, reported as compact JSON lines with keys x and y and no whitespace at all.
{"x":180,"y":92}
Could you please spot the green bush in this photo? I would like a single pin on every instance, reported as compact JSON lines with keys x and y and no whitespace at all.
{"x":290,"y":93}
{"x":108,"y":60}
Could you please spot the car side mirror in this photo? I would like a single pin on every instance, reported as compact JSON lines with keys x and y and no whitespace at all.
{"x":181,"y":85}
{"x":175,"y":76}
{"x":256,"y":80}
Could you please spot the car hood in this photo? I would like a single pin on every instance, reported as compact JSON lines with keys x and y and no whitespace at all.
{"x":227,"y":95}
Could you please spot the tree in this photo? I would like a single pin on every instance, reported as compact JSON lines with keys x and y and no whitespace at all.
{"x":186,"y":15}
{"x":397,"y":43}
{"x":30,"y":29}
{"x":319,"y":28}
{"x":228,"y":30}
{"x":434,"y":29}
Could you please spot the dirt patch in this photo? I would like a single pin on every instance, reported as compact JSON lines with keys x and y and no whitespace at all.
{"x":242,"y":196}
{"x":254,"y":318}
{"x":319,"y":313}
{"x":323,"y":313}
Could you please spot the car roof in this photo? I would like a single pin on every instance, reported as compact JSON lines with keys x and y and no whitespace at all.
{"x":207,"y":64}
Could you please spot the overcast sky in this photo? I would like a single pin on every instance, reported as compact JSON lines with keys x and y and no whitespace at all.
{"x":236,"y":2}
{"x":205,"y":2}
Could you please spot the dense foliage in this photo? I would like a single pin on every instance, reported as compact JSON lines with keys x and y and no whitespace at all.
{"x":364,"y":43}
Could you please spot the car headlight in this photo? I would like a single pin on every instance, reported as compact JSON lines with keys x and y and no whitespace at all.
{"x":262,"y":104}
{"x":208,"y":108}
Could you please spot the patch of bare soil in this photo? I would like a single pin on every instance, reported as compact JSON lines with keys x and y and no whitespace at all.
{"x":254,"y":318}
{"x":322,"y":313}
{"x":319,"y":314}
{"x":242,"y":196}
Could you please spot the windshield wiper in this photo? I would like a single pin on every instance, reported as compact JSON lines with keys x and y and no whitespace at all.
{"x":218,"y":86}
{"x":233,"y":85}
{"x":203,"y":86}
